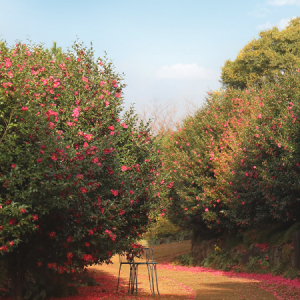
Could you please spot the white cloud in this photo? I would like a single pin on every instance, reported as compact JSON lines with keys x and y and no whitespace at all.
{"x":186,"y":71}
{"x":284,"y":2}
{"x":268,"y":25}
{"x":265,"y":26}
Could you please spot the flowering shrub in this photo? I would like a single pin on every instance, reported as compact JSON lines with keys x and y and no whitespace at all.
{"x":235,"y":163}
{"x":74,"y":175}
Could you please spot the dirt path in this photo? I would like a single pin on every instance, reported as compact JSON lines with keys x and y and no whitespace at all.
{"x":185,"y":283}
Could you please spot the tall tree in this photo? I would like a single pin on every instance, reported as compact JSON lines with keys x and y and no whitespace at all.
{"x":274,"y":53}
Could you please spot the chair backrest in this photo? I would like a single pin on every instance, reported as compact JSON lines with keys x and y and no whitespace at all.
{"x":149,"y":253}
{"x":129,"y":257}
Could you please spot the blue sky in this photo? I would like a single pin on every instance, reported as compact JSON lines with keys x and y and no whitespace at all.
{"x":169,"y":50}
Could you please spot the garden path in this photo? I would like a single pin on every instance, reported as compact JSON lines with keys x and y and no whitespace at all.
{"x":176,"y":282}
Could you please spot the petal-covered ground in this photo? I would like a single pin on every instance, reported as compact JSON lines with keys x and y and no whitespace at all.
{"x":178,"y":282}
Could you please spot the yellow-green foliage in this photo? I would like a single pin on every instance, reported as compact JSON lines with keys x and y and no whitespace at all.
{"x":162,"y":227}
{"x":275,"y":52}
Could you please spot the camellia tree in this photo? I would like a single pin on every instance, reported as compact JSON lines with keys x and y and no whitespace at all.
{"x":261,"y":60}
{"x":75,"y":174}
{"x":235,"y":164}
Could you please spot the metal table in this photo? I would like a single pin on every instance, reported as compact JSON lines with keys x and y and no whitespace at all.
{"x":147,"y":260}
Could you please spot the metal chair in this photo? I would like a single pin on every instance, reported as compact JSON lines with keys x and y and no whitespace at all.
{"x":129,"y":259}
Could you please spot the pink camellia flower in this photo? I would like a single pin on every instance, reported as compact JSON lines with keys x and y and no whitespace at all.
{"x":114,"y":192}
{"x":170,"y":185}
{"x":7,"y":84}
{"x":7,"y":64}
{"x":25,"y":108}
{"x":56,"y":84}
{"x":88,"y":137}
{"x":124,"y":168}
{"x":95,"y":159}
{"x":51,"y":125}
{"x":76,"y":112}
{"x":13,"y":166}
{"x":83,"y":190}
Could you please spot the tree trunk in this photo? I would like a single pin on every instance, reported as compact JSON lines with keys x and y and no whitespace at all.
{"x":17,"y":275}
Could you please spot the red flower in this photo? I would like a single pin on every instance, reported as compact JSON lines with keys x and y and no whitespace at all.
{"x":83,"y":190}
{"x":170,"y":185}
{"x":52,"y":234}
{"x":12,"y":221}
{"x":114,"y":192}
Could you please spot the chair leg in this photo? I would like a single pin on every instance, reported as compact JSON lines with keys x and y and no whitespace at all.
{"x":136,"y":276}
{"x":153,"y":291}
{"x":119,"y":277}
{"x":132,"y":279}
{"x":150,"y":276}
{"x":156,"y":279}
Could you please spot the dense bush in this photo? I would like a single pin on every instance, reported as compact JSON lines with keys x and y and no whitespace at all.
{"x":74,"y":173}
{"x":235,"y":164}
